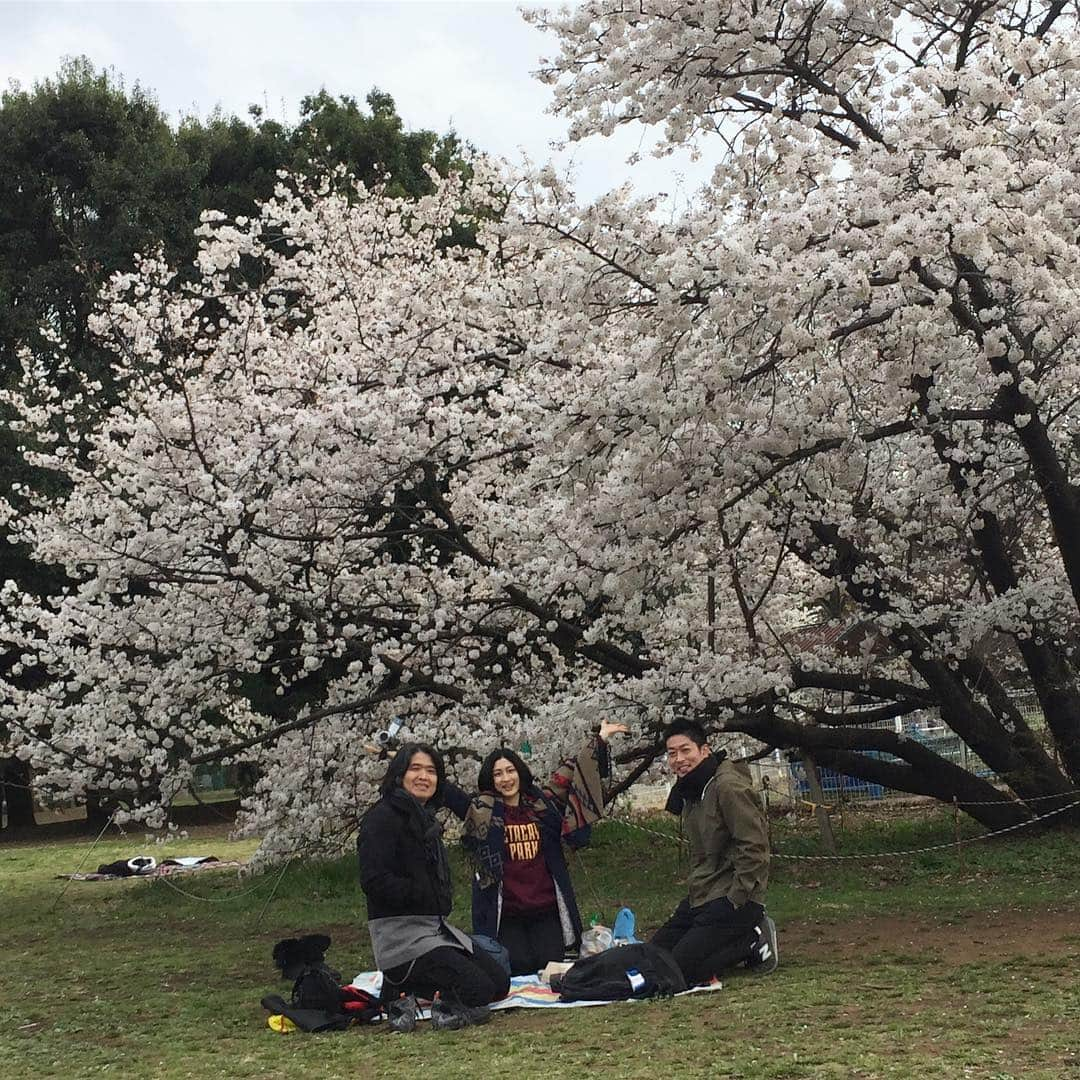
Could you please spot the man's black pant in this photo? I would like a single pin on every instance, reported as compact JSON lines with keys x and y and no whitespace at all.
{"x":711,"y":938}
{"x":532,"y":940}
{"x":471,"y":978}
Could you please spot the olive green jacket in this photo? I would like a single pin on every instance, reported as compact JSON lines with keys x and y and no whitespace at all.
{"x":729,"y":839}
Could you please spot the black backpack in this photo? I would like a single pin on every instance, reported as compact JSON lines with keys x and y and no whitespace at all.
{"x":626,"y":971}
{"x":318,"y":999}
{"x":317,"y":987}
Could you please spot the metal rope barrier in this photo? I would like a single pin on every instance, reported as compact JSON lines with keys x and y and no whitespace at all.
{"x":207,"y":899}
{"x":165,"y":880}
{"x":934,"y":803}
{"x":876,"y":854}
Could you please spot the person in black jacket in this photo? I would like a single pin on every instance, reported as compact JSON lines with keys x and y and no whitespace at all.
{"x":405,"y":877}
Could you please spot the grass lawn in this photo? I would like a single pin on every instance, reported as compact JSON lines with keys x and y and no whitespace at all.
{"x":922,"y":966}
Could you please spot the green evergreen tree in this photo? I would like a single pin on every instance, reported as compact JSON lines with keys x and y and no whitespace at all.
{"x":92,"y":173}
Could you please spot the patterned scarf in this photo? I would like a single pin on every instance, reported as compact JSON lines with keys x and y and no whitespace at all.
{"x":426,"y":826}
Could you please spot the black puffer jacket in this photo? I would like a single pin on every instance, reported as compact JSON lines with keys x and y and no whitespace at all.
{"x":403,"y":865}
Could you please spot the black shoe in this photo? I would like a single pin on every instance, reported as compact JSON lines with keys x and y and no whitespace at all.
{"x":475,"y":1014}
{"x":765,"y":955}
{"x":401,"y":1015}
{"x":445,"y":1017}
{"x":452,"y":1015}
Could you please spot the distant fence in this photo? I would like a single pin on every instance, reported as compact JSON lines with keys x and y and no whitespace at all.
{"x":836,"y":786}
{"x":928,"y":728}
{"x":214,"y":777}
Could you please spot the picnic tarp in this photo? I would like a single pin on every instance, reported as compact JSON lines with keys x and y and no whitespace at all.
{"x":526,"y":992}
{"x":184,"y":864}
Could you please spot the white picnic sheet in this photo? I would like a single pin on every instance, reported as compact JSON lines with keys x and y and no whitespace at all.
{"x":185,"y":864}
{"x":526,"y":992}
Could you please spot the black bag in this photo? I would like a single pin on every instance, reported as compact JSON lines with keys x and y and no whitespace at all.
{"x":315,"y":986}
{"x":319,"y":1002}
{"x":318,"y":987}
{"x":306,"y":1019}
{"x":496,"y":950}
{"x":627,"y":971}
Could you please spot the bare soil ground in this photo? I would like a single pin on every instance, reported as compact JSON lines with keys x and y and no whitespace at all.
{"x":987,"y":935}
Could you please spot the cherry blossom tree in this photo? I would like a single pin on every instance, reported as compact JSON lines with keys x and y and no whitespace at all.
{"x":875,"y":289}
{"x":605,"y":463}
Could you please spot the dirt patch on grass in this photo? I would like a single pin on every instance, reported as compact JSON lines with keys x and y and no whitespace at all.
{"x":980,"y":936}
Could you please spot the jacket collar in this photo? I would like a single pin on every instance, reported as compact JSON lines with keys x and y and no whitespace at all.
{"x":691,"y":787}
{"x":421,"y":815}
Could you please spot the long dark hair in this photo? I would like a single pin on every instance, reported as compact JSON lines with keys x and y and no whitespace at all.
{"x":486,"y":780}
{"x":395,"y":771}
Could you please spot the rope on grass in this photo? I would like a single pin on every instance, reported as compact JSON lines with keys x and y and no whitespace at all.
{"x":802,"y":802}
{"x":877,"y":854}
{"x":208,"y":899}
{"x":933,"y":804}
{"x":578,"y":860}
{"x":82,"y":862}
{"x":1019,"y":802}
{"x":273,"y":891}
{"x":166,"y":880}
{"x":644,"y":829}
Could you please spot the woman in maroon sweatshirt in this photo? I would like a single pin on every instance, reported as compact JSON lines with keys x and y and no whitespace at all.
{"x":522,"y":893}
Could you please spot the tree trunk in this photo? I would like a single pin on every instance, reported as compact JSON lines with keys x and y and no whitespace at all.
{"x":99,"y":808}
{"x":919,"y":769}
{"x":821,"y":812}
{"x":16,"y":795}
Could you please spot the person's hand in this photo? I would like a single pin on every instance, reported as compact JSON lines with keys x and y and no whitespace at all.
{"x":608,"y":729}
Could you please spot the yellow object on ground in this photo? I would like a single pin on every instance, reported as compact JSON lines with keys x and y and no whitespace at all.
{"x":281,"y":1023}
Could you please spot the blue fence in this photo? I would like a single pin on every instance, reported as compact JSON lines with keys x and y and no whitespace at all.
{"x":835,"y":784}
{"x":939,"y":739}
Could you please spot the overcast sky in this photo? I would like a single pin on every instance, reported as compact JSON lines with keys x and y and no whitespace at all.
{"x":451,"y":64}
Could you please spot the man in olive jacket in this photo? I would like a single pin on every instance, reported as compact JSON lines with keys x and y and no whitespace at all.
{"x":722,"y":922}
